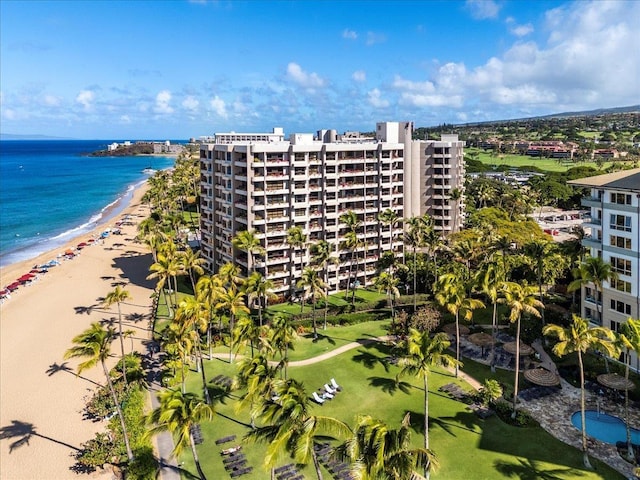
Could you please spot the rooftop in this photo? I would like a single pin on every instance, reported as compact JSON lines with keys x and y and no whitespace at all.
{"x":624,"y":180}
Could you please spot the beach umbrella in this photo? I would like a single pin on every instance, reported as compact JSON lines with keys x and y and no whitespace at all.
{"x":450,"y":328}
{"x":4,"y":292}
{"x":13,"y":286}
{"x":481,"y":339}
{"x":542,"y":376}
{"x":26,"y":277}
{"x":524,"y":348}
{"x":615,"y":381}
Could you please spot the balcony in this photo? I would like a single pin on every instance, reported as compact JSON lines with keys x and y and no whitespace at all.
{"x":589,"y":242}
{"x":591,"y":202}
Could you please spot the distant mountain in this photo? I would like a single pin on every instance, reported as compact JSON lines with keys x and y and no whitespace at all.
{"x":599,"y":111}
{"x":12,"y":136}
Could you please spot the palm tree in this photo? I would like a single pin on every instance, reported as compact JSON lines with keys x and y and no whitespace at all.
{"x":259,"y":288}
{"x":117,"y":296}
{"x":191,"y":263}
{"x":415,"y":237}
{"x":165,"y":269}
{"x":194,"y":314}
{"x":378,"y":452}
{"x":315,"y":287}
{"x":578,"y":338}
{"x":257,"y":376}
{"x":283,"y":337}
{"x":389,"y":218}
{"x":628,"y":339}
{"x":520,"y":299}
{"x":322,"y":256}
{"x":178,"y":413}
{"x":451,"y":293}
{"x":290,"y":428}
{"x":455,"y":195}
{"x":248,"y":241}
{"x":233,"y":302}
{"x":296,"y":239}
{"x":594,"y":270}
{"x":351,"y":241}
{"x":491,"y":278}
{"x":388,"y":283}
{"x":208,"y":290}
{"x":423,"y":353}
{"x":229,"y":276}
{"x":542,"y":253}
{"x":245,"y":332}
{"x":94,"y":345}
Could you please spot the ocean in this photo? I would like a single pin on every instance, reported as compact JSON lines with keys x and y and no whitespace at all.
{"x":52,"y":191}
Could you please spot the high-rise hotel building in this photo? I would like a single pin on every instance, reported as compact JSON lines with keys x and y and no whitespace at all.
{"x":614,"y":201}
{"x":267,"y":183}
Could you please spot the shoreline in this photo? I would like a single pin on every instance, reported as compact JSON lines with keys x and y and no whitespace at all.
{"x":42,"y":400}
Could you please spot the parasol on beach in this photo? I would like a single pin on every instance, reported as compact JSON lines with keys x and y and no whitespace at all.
{"x":615,"y":381}
{"x":524,"y":348}
{"x":542,"y":376}
{"x":450,"y":328}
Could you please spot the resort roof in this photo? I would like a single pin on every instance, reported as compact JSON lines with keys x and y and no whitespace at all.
{"x":624,"y":180}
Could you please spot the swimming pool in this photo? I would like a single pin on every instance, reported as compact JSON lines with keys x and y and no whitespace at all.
{"x":606,"y":428}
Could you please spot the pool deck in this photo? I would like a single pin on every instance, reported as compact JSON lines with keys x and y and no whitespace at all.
{"x":554,"y":411}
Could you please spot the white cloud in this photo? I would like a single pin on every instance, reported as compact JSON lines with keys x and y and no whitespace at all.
{"x":349,"y":34}
{"x":52,"y":101}
{"x":85,"y":98}
{"x":359,"y":76}
{"x":376,"y":100}
{"x":190,"y":103}
{"x":521,"y":30}
{"x":8,"y":114}
{"x":125,"y":119}
{"x":302,"y":78}
{"x":219,"y":107}
{"x":162,"y":102}
{"x":373,"y":38}
{"x":482,"y":9}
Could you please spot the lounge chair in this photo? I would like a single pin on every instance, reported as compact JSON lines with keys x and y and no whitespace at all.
{"x":330,"y":390}
{"x":317,"y":398}
{"x":335,"y":385}
{"x":326,"y":395}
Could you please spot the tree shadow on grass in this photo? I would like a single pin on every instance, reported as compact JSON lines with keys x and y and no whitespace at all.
{"x":321,"y":338}
{"x":462,"y":421}
{"x":390,"y":385}
{"x":531,"y":470}
{"x":21,"y":433}
{"x":369,"y":360}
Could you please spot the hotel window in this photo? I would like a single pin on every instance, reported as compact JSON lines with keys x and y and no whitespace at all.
{"x":621,"y":198}
{"x":620,"y":307}
{"x":621,"y":285}
{"x":621,"y":265}
{"x":620,"y":222}
{"x":620,"y":242}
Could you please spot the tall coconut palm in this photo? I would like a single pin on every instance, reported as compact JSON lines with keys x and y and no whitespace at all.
{"x":415,"y":238}
{"x":283,"y":337}
{"x":322,"y":256}
{"x":229,"y":276}
{"x":93,"y":345}
{"x":423,"y":353}
{"x":596,"y":271}
{"x":315,"y":288}
{"x":455,"y":196}
{"x":451,"y":293}
{"x":296,"y":239}
{"x":388,"y":283}
{"x":208,"y":290}
{"x":578,"y":338}
{"x":520,"y":299}
{"x":165,"y":270}
{"x":118,"y":295}
{"x":195,"y":315}
{"x":248,"y":242}
{"x":628,"y":339}
{"x":246,"y":332}
{"x":257,"y":377}
{"x":178,"y":413}
{"x":389,"y":218}
{"x":378,"y":452}
{"x":290,"y":428}
{"x":490,"y":278}
{"x":351,"y":242}
{"x":191,"y":264}
{"x":540,"y":253}
{"x":233,"y":302}
{"x":259,"y":289}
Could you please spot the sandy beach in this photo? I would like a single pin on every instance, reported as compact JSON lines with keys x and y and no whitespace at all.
{"x":41,"y":399}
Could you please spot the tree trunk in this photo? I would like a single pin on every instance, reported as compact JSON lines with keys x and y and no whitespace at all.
{"x":195,"y":456}
{"x":204,"y":377}
{"x":313,"y":319}
{"x":124,"y":366}
{"x":494,"y":328}
{"x":515,"y":385}
{"x":457,"y":343}
{"x":316,"y":464}
{"x":119,"y":410}
{"x":630,"y":454}
{"x":415,"y":281}
{"x":585,"y":453}
{"x":426,"y":421}
{"x":231,"y":322}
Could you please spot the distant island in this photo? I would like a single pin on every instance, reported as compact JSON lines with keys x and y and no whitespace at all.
{"x":13,"y":136}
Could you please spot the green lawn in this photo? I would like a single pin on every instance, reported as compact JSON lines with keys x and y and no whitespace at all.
{"x":336,"y":300}
{"x":548,"y":164}
{"x":467,"y":447}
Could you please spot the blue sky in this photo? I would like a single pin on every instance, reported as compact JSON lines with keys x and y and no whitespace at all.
{"x":179,"y":69}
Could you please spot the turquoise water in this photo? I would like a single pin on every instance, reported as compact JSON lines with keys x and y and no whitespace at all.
{"x":606,"y":428}
{"x":51,"y":191}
